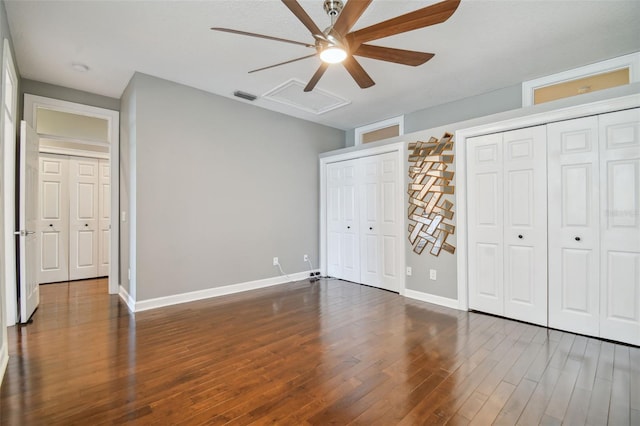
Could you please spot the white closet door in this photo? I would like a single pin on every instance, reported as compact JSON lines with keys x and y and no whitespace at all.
{"x":343,"y":242}
{"x":620,"y":226}
{"x":104,"y":221}
{"x":379,"y":237}
{"x":53,"y":223}
{"x":525,"y":224}
{"x":574,"y":273}
{"x":485,"y":235}
{"x":83,"y":219}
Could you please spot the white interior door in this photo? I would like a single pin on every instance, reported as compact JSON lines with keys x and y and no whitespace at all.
{"x":620,"y":226}
{"x":379,"y":187}
{"x":28,"y":217}
{"x":525,"y":224}
{"x":485,"y":204}
{"x":342,"y":221}
{"x":53,"y":223}
{"x":83,"y":218}
{"x":104,"y":221}
{"x":574,"y":259}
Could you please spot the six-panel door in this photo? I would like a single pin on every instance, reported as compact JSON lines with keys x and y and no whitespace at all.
{"x":620,"y":226}
{"x":53,"y":223}
{"x":574,"y":255}
{"x":83,"y":218}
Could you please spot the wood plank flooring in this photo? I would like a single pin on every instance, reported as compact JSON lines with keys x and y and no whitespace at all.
{"x":320,"y":353}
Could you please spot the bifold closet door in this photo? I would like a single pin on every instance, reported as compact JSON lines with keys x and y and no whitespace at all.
{"x":525,"y":224}
{"x":363,"y":214}
{"x":507,"y":207}
{"x":574,"y":222}
{"x":379,"y":239}
{"x":486,"y":223}
{"x":343,"y":243}
{"x":53,"y":223}
{"x":83,"y":218}
{"x":620,"y":226}
{"x":104,"y":203}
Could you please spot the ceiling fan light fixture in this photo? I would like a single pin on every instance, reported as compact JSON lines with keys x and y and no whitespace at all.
{"x":333,"y":54}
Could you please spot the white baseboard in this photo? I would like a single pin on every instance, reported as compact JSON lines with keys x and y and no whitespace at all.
{"x":432,"y":298}
{"x":127,"y":299}
{"x":4,"y":361}
{"x":174,"y":299}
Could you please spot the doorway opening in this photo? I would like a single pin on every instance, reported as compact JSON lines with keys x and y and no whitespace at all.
{"x":78,"y":225}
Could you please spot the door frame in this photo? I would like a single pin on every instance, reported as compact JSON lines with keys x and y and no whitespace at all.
{"x":595,"y":108}
{"x":31,"y":105}
{"x":399,"y":148}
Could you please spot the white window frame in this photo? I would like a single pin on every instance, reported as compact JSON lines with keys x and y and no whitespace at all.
{"x":631,"y":61}
{"x":394,"y":121}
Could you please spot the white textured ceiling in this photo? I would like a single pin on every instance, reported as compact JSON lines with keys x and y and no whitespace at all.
{"x":484,"y":46}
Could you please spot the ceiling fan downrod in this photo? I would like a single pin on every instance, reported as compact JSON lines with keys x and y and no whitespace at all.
{"x":333,"y":9}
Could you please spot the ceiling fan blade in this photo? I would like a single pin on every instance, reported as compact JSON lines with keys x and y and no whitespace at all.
{"x":316,"y":77}
{"x":349,"y":15}
{"x":284,"y":40}
{"x":389,"y":54}
{"x":430,"y":15}
{"x":283,"y":63}
{"x":297,"y":10}
{"x":357,"y":72}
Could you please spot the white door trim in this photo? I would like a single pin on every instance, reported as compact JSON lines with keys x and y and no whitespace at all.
{"x":595,"y":108}
{"x":32,"y":102}
{"x":400,"y":149}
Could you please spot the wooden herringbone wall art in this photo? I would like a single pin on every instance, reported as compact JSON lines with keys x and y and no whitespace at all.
{"x":429,"y":212}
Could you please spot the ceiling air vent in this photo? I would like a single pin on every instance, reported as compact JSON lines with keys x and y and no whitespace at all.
{"x":245,"y":95}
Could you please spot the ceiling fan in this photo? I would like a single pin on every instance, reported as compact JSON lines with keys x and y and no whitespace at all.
{"x":337,"y":44}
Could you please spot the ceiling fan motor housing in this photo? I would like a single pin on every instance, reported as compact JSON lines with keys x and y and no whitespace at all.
{"x":333,"y":7}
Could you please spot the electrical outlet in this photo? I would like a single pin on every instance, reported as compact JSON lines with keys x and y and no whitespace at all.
{"x":409,"y":271}
{"x":305,"y":258}
{"x":432,"y":274}
{"x":275,"y":261}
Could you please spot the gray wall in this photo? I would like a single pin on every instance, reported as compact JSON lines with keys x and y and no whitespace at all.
{"x":505,"y":99}
{"x":221,"y":187}
{"x":66,"y":94}
{"x":127,"y":179}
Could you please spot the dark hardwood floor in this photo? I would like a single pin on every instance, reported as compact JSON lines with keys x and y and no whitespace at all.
{"x":320,"y":353}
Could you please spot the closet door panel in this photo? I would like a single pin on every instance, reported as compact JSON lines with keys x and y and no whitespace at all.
{"x":485,"y":201}
{"x":104,"y":226}
{"x":525,"y":224}
{"x":351,"y":223}
{"x":53,"y":223}
{"x":620,"y":225}
{"x":390,"y":224}
{"x":369,"y":168}
{"x":335,"y":225}
{"x":343,"y":257}
{"x":83,"y":220}
{"x":574,"y":277}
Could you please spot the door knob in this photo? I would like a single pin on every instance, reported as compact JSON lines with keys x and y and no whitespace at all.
{"x":520,"y":236}
{"x":577,"y":238}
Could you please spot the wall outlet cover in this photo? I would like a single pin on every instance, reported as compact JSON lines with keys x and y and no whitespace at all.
{"x":432,"y":274}
{"x":275,"y":261}
{"x":409,"y":271}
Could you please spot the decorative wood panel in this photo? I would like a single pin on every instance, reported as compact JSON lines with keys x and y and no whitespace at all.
{"x":431,"y":215}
